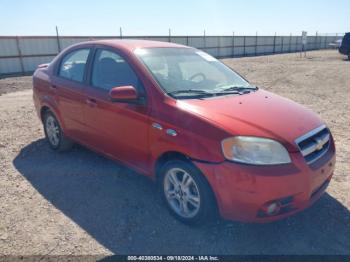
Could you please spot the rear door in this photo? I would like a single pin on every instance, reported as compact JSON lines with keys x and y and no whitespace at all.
{"x":118,"y":129}
{"x":69,"y":84}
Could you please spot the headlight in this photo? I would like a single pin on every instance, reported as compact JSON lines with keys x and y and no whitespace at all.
{"x":254,"y":150}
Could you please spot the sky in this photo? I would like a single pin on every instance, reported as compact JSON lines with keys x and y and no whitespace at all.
{"x":191,"y":17}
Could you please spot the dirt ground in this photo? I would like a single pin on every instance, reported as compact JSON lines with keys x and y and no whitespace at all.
{"x":81,"y":203}
{"x":13,"y":84}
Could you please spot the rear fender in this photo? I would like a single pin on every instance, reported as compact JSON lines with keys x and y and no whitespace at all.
{"x":51,"y":104}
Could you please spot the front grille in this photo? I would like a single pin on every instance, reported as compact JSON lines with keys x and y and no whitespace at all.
{"x":314,"y":144}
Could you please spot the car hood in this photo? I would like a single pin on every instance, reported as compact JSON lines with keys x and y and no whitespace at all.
{"x":259,"y":113}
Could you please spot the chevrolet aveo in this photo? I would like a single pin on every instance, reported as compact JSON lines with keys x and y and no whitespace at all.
{"x":212,"y":142}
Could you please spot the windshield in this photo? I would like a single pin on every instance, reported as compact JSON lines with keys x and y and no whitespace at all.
{"x":187,"y":70}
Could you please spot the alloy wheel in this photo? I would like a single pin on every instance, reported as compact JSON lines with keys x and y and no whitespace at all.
{"x":52,"y":130}
{"x":182,"y":193}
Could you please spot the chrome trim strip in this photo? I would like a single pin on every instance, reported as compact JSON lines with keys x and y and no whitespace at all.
{"x":316,"y":145}
{"x":317,"y":158}
{"x":321,"y":142}
{"x":311,"y":133}
{"x":157,"y":126}
{"x":171,"y":132}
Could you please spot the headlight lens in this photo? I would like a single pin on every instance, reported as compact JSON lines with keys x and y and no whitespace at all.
{"x":254,"y":150}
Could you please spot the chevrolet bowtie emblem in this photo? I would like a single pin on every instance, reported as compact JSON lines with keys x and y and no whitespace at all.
{"x":319,"y":144}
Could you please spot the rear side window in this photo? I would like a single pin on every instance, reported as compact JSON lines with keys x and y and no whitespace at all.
{"x":73,"y":65}
{"x":111,"y":70}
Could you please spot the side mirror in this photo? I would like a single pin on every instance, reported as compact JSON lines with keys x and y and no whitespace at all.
{"x":124,"y":94}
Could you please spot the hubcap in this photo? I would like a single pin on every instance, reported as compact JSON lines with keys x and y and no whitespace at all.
{"x":181,"y":192}
{"x":52,"y":130}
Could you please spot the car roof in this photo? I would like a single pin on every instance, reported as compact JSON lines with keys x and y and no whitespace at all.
{"x":132,"y":44}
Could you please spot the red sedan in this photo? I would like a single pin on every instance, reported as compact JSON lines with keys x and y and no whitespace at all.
{"x":213,"y":142}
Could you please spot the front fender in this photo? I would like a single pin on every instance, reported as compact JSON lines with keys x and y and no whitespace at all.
{"x":193,"y":145}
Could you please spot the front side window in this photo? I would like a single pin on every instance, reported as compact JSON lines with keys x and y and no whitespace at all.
{"x":73,"y":65}
{"x":178,"y":70}
{"x":111,"y":70}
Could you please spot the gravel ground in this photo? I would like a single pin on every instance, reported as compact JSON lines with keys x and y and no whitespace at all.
{"x":81,"y":203}
{"x":13,"y":84}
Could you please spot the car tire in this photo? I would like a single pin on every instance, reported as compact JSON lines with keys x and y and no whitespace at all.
{"x":194,"y":196}
{"x":54,"y":134}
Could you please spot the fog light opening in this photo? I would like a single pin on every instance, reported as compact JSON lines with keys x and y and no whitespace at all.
{"x":272,"y":208}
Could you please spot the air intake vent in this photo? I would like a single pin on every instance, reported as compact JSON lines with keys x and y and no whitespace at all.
{"x":314,"y":144}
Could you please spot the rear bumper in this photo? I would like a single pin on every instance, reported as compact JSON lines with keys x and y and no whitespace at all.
{"x":242,"y":190}
{"x":36,"y":104}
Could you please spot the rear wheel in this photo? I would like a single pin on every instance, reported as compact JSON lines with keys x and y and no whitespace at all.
{"x":54,"y":134}
{"x":186,"y":192}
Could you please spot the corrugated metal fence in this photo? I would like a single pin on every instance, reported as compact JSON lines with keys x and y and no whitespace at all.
{"x":22,"y":54}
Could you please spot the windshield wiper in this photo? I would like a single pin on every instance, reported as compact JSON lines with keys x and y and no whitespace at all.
{"x":203,"y":93}
{"x":229,"y":92}
{"x":191,"y":91}
{"x":239,"y":88}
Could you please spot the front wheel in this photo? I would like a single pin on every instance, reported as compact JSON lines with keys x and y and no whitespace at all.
{"x":186,"y":192}
{"x":54,"y":134}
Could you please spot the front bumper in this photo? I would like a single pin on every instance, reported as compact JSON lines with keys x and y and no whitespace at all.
{"x":242,"y":190}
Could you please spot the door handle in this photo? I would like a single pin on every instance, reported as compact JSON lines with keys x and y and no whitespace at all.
{"x":91,"y":102}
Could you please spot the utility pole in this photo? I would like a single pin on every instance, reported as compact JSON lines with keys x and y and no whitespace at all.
{"x":233,"y":44}
{"x":256,"y":43}
{"x":58,"y":40}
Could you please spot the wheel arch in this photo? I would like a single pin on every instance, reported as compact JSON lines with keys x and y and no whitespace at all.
{"x":165,"y":157}
{"x":45,"y":108}
{"x":175,"y":155}
{"x":43,"y":111}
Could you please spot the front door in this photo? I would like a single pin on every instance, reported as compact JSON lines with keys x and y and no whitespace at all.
{"x":117,"y":129}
